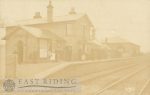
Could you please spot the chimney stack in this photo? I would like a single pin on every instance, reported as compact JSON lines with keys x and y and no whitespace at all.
{"x":72,"y":11}
{"x":37,"y":15}
{"x":50,"y":12}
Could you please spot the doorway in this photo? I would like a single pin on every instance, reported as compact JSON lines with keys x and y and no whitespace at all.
{"x":20,"y":51}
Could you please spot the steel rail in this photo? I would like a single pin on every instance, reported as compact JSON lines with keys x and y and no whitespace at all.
{"x":117,"y":82}
{"x":98,"y":74}
{"x":144,"y":87}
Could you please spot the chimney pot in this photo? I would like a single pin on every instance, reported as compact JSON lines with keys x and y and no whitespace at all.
{"x":72,"y":11}
{"x":37,"y":15}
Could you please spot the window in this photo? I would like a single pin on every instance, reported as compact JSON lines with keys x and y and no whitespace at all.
{"x":69,"y":28}
{"x":92,"y":33}
{"x":43,"y":48}
{"x":84,"y":29}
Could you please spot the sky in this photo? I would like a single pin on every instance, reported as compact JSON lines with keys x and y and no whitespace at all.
{"x":129,"y":19}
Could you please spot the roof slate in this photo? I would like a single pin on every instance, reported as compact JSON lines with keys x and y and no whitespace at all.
{"x":44,"y":20}
{"x":116,"y":40}
{"x":39,"y":33}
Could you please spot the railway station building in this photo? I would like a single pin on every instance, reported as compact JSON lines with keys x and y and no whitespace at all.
{"x":120,"y":47}
{"x":51,"y":38}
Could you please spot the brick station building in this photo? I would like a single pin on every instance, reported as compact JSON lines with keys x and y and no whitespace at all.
{"x":60,"y":38}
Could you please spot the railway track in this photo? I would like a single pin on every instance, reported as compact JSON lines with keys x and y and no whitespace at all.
{"x":119,"y":81}
{"x":143,"y":89}
{"x":107,"y":72}
{"x":104,"y":82}
{"x":123,"y":76}
{"x":113,"y":77}
{"x":86,"y":79}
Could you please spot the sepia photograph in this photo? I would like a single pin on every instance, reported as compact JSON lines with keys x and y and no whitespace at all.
{"x":74,"y":47}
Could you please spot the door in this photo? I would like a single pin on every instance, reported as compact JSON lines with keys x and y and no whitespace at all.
{"x":20,"y":51}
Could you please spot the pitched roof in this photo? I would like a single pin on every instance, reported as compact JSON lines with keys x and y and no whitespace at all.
{"x":34,"y":31}
{"x":39,"y":33}
{"x":99,"y":44}
{"x":44,"y":20}
{"x":116,"y":39}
